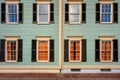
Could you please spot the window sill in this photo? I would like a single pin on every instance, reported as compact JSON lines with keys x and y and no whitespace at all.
{"x":106,"y":61}
{"x":74,"y":23}
{"x":74,"y":61}
{"x":43,"y":61}
{"x":12,"y":23}
{"x":11,"y":61}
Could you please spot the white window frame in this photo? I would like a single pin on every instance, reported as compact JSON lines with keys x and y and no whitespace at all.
{"x":106,"y":39}
{"x":43,"y":39}
{"x":111,"y":11}
{"x":39,"y":3}
{"x":75,"y":39}
{"x":6,"y":54}
{"x":7,"y":19}
{"x":80,"y":18}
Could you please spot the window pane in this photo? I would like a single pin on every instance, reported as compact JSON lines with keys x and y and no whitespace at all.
{"x":43,"y":9}
{"x":43,"y":50}
{"x":12,"y":13}
{"x":74,"y":8}
{"x":12,"y":8}
{"x":11,"y":50}
{"x":74,"y":50}
{"x":43,"y":18}
{"x":12,"y":17}
{"x":106,"y":13}
{"x":74,"y":18}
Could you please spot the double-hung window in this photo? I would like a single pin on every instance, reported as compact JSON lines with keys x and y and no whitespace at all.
{"x":75,"y":13}
{"x":43,"y":13}
{"x":106,"y":13}
{"x":75,"y":49}
{"x":12,"y":13}
{"x":11,"y":49}
{"x":43,"y":49}
{"x":106,"y":49}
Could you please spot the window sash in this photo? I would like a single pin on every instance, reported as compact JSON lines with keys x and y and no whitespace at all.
{"x":11,"y":50}
{"x":75,"y":13}
{"x":106,"y":50}
{"x":106,"y":13}
{"x":43,"y":17}
{"x":74,"y":51}
{"x":11,"y":13}
{"x":42,"y":50}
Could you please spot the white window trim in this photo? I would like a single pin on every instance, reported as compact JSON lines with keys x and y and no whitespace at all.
{"x":43,"y":39}
{"x":111,"y":12}
{"x":7,"y":19}
{"x":38,"y":3}
{"x":75,"y":39}
{"x":106,"y":39}
{"x":11,"y":39}
{"x":80,"y":5}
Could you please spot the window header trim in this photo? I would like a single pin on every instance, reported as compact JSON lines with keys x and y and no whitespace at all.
{"x":12,"y":1}
{"x":75,"y":0}
{"x":106,"y":1}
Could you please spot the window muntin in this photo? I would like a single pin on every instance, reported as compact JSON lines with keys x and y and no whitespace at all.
{"x":74,"y":13}
{"x":43,"y":50}
{"x":43,"y":13}
{"x":106,"y":50}
{"x":74,"y":50}
{"x":12,"y":13}
{"x":106,"y":13}
{"x":11,"y":50}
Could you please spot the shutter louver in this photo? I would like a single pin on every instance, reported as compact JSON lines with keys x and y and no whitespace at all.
{"x":97,"y":50}
{"x":20,"y":52}
{"x":115,"y":50}
{"x":33,"y":56}
{"x":34,"y":13}
{"x":83,"y":12}
{"x":97,"y":12}
{"x":51,"y":13}
{"x":2,"y":50}
{"x":51,"y":50}
{"x":115,"y":12}
{"x":3,"y":13}
{"x":66,"y":51}
{"x":66,"y":13}
{"x":84,"y":50}
{"x":20,"y":13}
